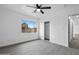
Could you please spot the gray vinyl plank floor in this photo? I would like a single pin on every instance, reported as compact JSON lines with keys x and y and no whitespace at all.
{"x":38,"y":47}
{"x":74,"y":43}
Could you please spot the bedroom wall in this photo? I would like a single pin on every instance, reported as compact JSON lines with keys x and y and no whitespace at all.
{"x":10,"y":28}
{"x":76,"y":29}
{"x":58,"y":17}
{"x":76,"y":26}
{"x":75,"y":21}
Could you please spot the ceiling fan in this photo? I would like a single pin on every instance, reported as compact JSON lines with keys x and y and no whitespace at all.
{"x":38,"y":8}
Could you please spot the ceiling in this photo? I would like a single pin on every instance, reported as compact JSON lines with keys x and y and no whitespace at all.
{"x":21,"y":8}
{"x":25,"y":10}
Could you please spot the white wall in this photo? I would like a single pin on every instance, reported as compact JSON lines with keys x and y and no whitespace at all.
{"x":58,"y":17}
{"x":76,"y":29}
{"x":75,"y":21}
{"x":76,"y":26}
{"x":41,"y":31}
{"x":10,"y":28}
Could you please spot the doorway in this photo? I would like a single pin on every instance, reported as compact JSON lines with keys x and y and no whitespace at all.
{"x":47,"y":30}
{"x":73,"y":31}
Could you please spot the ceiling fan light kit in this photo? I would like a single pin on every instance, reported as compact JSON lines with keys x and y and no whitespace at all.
{"x":38,"y":10}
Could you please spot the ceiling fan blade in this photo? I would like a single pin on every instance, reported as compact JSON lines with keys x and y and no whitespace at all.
{"x":45,"y":7}
{"x":30,"y":6}
{"x":35,"y":10}
{"x":37,"y":6}
{"x":41,"y":11}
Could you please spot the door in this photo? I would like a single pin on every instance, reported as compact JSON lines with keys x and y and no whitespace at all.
{"x":47,"y":30}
